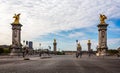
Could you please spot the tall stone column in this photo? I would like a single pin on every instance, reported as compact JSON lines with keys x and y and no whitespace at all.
{"x":89,"y":45}
{"x":102,"y":37}
{"x":16,"y":37}
{"x":55,"y":46}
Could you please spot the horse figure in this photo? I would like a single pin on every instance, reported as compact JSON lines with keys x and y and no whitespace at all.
{"x":102,"y":19}
{"x":17,"y":17}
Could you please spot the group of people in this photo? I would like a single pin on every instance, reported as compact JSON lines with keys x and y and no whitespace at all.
{"x":79,"y":51}
{"x":25,"y":51}
{"x":45,"y":51}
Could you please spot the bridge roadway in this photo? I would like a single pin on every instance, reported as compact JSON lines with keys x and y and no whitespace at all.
{"x":61,"y":64}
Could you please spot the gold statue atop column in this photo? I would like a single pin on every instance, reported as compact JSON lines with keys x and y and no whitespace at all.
{"x":54,"y":40}
{"x":88,"y":41}
{"x":102,"y":19}
{"x":17,"y":18}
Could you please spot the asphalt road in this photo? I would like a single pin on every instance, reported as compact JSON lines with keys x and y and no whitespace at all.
{"x":61,"y":64}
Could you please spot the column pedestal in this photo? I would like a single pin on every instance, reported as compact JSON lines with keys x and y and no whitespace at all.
{"x":16,"y":46}
{"x":102,"y":40}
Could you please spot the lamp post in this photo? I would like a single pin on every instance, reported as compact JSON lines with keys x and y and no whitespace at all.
{"x":40,"y":50}
{"x":76,"y":41}
{"x":23,"y":48}
{"x":40,"y":45}
{"x":49,"y":47}
{"x":23,"y":42}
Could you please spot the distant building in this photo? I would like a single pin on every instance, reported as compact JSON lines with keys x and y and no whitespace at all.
{"x":30,"y":44}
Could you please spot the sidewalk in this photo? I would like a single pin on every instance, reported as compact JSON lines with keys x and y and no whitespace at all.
{"x":18,"y":57}
{"x":36,"y":57}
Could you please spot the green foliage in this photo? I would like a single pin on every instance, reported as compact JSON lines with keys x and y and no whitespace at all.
{"x":60,"y":53}
{"x":6,"y":50}
{"x":1,"y":50}
{"x":112,"y":52}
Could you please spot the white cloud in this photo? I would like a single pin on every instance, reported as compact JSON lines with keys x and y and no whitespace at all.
{"x":113,"y":27}
{"x":76,"y":34}
{"x":113,"y":43}
{"x":73,"y":45}
{"x":40,"y":17}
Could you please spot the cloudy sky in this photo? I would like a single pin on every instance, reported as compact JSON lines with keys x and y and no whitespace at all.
{"x":65,"y":20}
